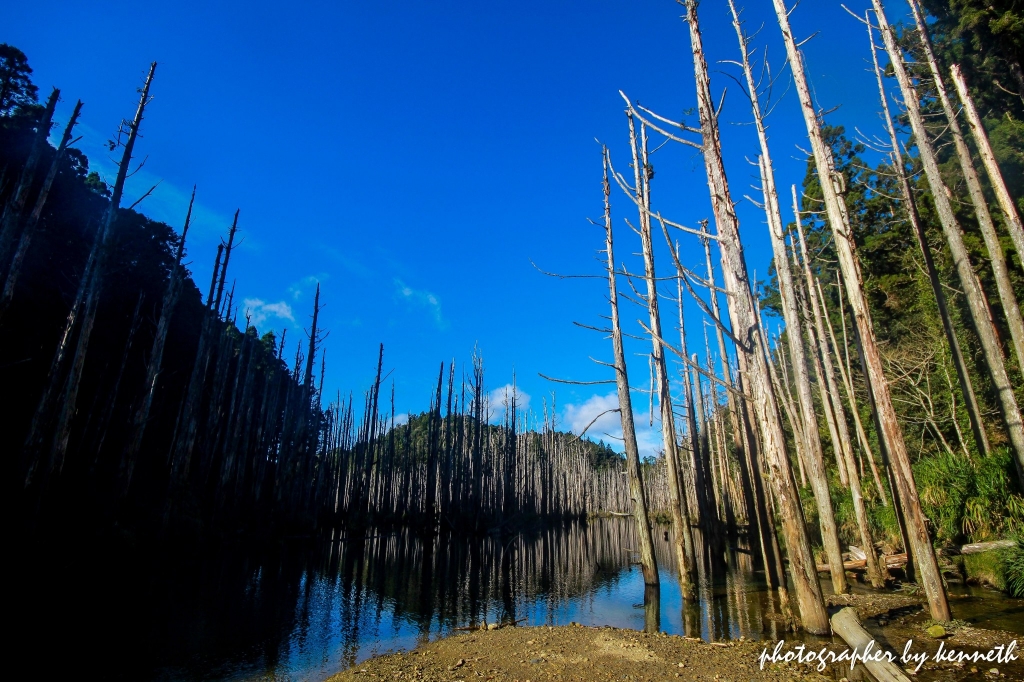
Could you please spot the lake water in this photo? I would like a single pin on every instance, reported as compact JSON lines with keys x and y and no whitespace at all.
{"x":306,"y":611}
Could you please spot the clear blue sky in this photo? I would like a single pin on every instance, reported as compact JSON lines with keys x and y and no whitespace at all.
{"x":413,"y":158}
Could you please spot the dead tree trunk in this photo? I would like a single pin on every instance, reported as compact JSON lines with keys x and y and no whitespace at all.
{"x":156,"y":353}
{"x":648,"y":562}
{"x":973,"y":293}
{"x":964,"y":378}
{"x":678,"y":506}
{"x":832,"y":402}
{"x":749,"y":335}
{"x":29,"y":229}
{"x":832,"y":183}
{"x":814,"y":459}
{"x":1007,"y":297}
{"x":94,"y":283}
{"x":1009,"y":208}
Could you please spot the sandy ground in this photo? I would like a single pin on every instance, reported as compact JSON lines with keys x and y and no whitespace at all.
{"x":539,"y":654}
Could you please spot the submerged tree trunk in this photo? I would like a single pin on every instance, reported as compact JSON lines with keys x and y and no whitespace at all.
{"x":648,"y":563}
{"x":750,"y":335}
{"x":831,"y":183}
{"x":678,"y":506}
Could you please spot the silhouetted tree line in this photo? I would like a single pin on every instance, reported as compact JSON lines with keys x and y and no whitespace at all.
{"x":141,"y":400}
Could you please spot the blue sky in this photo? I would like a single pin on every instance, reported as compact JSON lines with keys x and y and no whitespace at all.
{"x":414,"y":158}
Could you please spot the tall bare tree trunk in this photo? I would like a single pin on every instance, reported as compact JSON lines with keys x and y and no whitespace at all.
{"x":973,"y":293}
{"x":678,"y":506}
{"x":29,"y":229}
{"x":1011,"y":308}
{"x":156,"y":354}
{"x":832,"y":403}
{"x":831,"y":184}
{"x":750,"y":335}
{"x":93,"y":281}
{"x":910,"y":204}
{"x":1009,"y":208}
{"x":648,"y":562}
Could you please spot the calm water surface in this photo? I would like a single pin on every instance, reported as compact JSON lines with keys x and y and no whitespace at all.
{"x":304,"y":613}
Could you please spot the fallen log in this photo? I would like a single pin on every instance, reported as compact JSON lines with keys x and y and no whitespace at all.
{"x":979,"y":547}
{"x":846,"y":625}
{"x":891,"y":561}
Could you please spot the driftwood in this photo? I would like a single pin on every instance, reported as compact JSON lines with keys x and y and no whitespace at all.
{"x":846,"y":625}
{"x":979,"y":547}
{"x":897,"y":560}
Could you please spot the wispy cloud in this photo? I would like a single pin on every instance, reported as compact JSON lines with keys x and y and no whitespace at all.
{"x":578,"y":415}
{"x":423,"y":298}
{"x":261,"y":311}
{"x":298,"y":289}
{"x":168,"y":203}
{"x":501,"y":399}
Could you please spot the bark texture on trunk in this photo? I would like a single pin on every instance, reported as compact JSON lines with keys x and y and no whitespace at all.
{"x":764,"y":401}
{"x":889,"y":428}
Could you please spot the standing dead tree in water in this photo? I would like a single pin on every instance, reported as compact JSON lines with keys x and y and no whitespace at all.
{"x":28,"y":230}
{"x":750,"y":342}
{"x":679,"y":507}
{"x":814,"y":460}
{"x":648,"y":562}
{"x":156,"y":353}
{"x":910,"y":206}
{"x":974,"y":295}
{"x":187,"y":427}
{"x":831,"y":401}
{"x":833,"y":186}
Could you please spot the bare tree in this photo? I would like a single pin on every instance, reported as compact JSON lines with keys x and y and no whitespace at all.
{"x":833,"y":184}
{"x":974,"y":295}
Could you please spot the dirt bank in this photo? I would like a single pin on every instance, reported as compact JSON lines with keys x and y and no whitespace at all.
{"x":575,"y":652}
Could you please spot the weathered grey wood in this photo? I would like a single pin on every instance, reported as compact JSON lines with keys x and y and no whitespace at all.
{"x":997,"y":260}
{"x":974,"y":295}
{"x":832,"y":403}
{"x":832,"y":184}
{"x":679,"y":508}
{"x":988,"y":158}
{"x":963,"y":376}
{"x":846,"y":625}
{"x":764,"y":400}
{"x":648,"y":562}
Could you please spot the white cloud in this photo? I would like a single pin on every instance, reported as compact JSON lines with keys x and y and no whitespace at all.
{"x":501,"y":397}
{"x":260,"y":311}
{"x":609,"y":425}
{"x":401,"y":418}
{"x":423,"y":298}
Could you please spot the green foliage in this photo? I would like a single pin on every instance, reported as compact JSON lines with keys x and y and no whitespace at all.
{"x":16,"y":87}
{"x":1013,"y":567}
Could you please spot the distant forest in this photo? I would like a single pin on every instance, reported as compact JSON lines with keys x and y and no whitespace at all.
{"x":141,"y":401}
